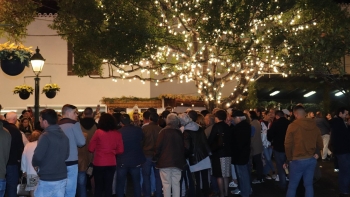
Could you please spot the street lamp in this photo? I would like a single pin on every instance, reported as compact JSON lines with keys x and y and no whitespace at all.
{"x":37,"y":62}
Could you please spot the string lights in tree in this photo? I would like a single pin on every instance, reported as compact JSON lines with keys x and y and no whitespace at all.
{"x":210,"y":43}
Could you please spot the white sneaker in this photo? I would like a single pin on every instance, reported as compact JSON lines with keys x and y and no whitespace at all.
{"x":274,"y":176}
{"x":336,"y":170}
{"x":277,"y":178}
{"x":256,"y":181}
{"x":236,"y":191}
{"x":233,"y":184}
{"x":268,"y":177}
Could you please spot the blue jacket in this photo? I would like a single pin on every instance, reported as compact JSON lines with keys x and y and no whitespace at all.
{"x":133,"y":154}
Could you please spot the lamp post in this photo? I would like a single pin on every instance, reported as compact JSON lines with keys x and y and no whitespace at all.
{"x":37,"y":62}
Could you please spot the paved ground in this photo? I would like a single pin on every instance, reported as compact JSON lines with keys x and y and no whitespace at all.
{"x":326,"y":186}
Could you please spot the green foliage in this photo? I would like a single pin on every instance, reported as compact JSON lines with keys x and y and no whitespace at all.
{"x":23,"y":88}
{"x":11,"y":50}
{"x":15,"y":16}
{"x":209,"y":42}
{"x":50,"y":87}
{"x":251,"y":100}
{"x":125,"y":99}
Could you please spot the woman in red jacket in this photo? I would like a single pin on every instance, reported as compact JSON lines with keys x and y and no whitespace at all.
{"x":106,"y":143}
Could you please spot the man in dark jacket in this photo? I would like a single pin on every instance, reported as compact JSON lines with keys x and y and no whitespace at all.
{"x":5,"y":145}
{"x":170,"y":156}
{"x":132,"y":158}
{"x":276,"y":135}
{"x":341,"y":148}
{"x":17,"y":146}
{"x":241,"y":151}
{"x":150,"y":135}
{"x":325,"y":128}
{"x":50,"y":156}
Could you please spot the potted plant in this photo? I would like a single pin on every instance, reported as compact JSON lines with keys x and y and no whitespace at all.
{"x":14,"y":58}
{"x":23,"y":91}
{"x":50,"y":90}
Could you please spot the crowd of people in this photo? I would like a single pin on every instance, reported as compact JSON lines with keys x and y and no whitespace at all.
{"x":195,"y":154}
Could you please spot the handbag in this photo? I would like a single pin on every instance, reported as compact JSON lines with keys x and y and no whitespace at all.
{"x":90,"y":169}
{"x":21,"y":188}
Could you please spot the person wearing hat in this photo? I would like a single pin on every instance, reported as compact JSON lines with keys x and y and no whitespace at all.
{"x":5,"y":145}
{"x":241,"y":135}
{"x":132,"y":158}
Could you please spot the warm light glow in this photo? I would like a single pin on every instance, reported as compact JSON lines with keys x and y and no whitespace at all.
{"x":37,"y":66}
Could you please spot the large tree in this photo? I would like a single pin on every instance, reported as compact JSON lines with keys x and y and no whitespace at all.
{"x":15,"y":16}
{"x":206,"y":41}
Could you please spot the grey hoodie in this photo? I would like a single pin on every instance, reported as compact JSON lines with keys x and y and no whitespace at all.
{"x":51,"y":153}
{"x":73,"y":131}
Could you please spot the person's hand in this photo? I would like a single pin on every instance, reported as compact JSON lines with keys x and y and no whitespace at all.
{"x":36,"y":168}
{"x":24,"y":174}
{"x":285,"y":166}
{"x":316,"y":156}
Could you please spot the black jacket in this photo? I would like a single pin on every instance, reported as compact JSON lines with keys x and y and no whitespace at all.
{"x":196,"y":146}
{"x":220,"y":128}
{"x":17,"y":145}
{"x":277,"y":133}
{"x":241,"y":135}
{"x":340,"y":137}
{"x":323,"y":125}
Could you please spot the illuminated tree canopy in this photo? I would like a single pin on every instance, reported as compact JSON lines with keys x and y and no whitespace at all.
{"x":205,"y":41}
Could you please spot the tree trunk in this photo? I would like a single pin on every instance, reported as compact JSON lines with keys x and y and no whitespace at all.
{"x":210,"y":105}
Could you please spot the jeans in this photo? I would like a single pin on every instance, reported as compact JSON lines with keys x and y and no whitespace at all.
{"x":72,"y":178}
{"x":121,"y":179}
{"x":301,"y":168}
{"x":2,"y":187}
{"x":344,"y":172}
{"x":171,"y":181}
{"x":51,"y":188}
{"x":281,"y":158}
{"x":103,"y":176}
{"x":12,"y":176}
{"x":267,"y":155}
{"x":81,"y":184}
{"x":258,"y":165}
{"x":243,"y":176}
{"x":146,"y":173}
{"x":326,"y":151}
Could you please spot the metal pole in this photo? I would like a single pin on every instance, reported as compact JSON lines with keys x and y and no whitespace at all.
{"x":36,"y":97}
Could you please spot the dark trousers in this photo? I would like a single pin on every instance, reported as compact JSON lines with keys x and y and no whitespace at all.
{"x":202,"y":175}
{"x":344,"y":173}
{"x":12,"y":176}
{"x":258,"y":166}
{"x":187,"y":176}
{"x":103,"y":176}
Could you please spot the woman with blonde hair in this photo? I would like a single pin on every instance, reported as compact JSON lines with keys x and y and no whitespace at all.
{"x":26,"y":163}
